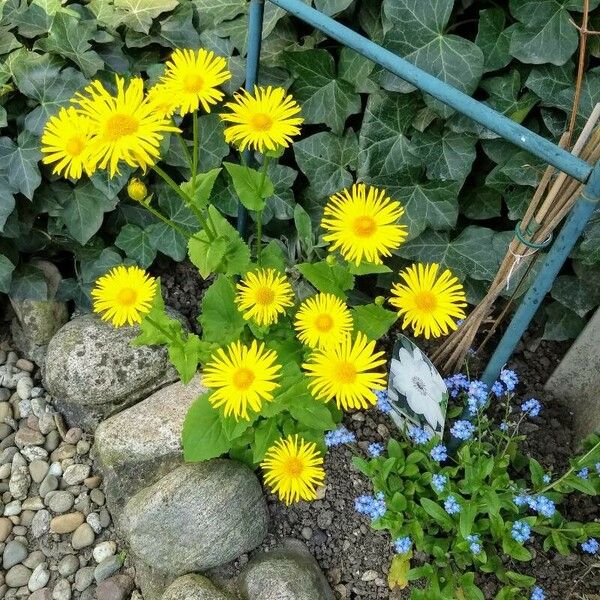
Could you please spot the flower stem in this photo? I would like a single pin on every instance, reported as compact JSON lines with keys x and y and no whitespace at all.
{"x":195,"y":149}
{"x":581,"y":461}
{"x":166,"y":221}
{"x":259,"y":213}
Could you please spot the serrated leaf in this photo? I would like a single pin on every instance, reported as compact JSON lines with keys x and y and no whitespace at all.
{"x":327,"y":160}
{"x":323,"y":96}
{"x":137,"y":245}
{"x":384,"y":145}
{"x":418,"y":35}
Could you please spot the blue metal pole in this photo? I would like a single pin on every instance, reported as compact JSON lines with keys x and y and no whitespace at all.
{"x":558,"y":253}
{"x":482,"y":114}
{"x":255,"y":29}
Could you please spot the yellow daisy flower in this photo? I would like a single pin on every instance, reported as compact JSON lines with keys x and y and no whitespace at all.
{"x":430,"y":304}
{"x":126,"y":126}
{"x":65,"y":142}
{"x":162,"y":100}
{"x":192,"y":78}
{"x":123,"y":295}
{"x":242,"y":377}
{"x":293,"y":469}
{"x":263,"y":295}
{"x":322,"y":321}
{"x":265,"y":120}
{"x":346,"y":372}
{"x":362,"y":224}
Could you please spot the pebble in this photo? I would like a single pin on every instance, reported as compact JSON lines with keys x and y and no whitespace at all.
{"x":60,"y":502}
{"x":37,"y":557}
{"x":5,"y":528}
{"x":83,"y":537}
{"x":43,"y":594}
{"x":68,"y":565}
{"x":38,"y":469}
{"x":97,"y":497}
{"x":19,"y":482}
{"x":118,"y":587}
{"x":5,"y":471}
{"x":66,"y":523}
{"x":369,"y":576}
{"x":5,"y":407}
{"x":18,"y":576}
{"x":40,"y":524}
{"x":307,"y":533}
{"x":92,"y":482}
{"x":28,"y":437}
{"x":104,"y":550}
{"x":49,"y":484}
{"x":84,"y":578}
{"x":25,"y":365}
{"x":76,"y":474}
{"x":108,"y":567}
{"x":12,"y":508}
{"x":14,"y":553}
{"x":34,"y":503}
{"x":39,"y":578}
{"x":93,"y":520}
{"x":34,"y":453}
{"x":62,"y":590}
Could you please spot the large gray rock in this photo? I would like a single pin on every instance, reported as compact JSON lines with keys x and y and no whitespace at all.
{"x":93,"y":371}
{"x":194,"y":587}
{"x":136,"y":447}
{"x":197,"y":517}
{"x":38,"y":320}
{"x":287,"y":573}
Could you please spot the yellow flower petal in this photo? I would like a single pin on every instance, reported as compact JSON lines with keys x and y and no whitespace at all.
{"x":322,"y":321}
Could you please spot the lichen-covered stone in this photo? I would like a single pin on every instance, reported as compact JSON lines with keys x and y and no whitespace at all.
{"x":93,"y":371}
{"x":197,"y":517}
{"x":287,"y":573}
{"x":136,"y":447}
{"x":194,"y":587}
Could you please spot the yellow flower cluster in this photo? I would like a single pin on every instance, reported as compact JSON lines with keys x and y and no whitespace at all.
{"x":103,"y":127}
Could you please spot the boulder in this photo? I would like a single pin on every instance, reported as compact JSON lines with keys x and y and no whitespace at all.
{"x":93,"y":371}
{"x":38,"y":320}
{"x":194,"y":587}
{"x":287,"y":573}
{"x":196,"y":517}
{"x":136,"y":447}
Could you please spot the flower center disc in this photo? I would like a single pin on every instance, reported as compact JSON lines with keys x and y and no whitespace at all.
{"x":75,"y":146}
{"x":261,"y":122}
{"x":293,"y":466}
{"x":243,"y":378}
{"x":364,"y":226}
{"x":264,"y":296}
{"x":127,"y":296}
{"x":193,"y":84}
{"x":324,"y":323}
{"x":119,"y":126}
{"x":425,"y":301}
{"x":346,"y":372}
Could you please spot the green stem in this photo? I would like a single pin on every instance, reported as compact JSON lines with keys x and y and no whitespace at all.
{"x":581,"y":461}
{"x":512,"y":435}
{"x":186,"y":150}
{"x":259,"y":213}
{"x":195,"y":149}
{"x":166,"y":221}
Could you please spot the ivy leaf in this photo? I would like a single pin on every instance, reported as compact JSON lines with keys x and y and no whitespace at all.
{"x":140,"y":14}
{"x":562,"y":324}
{"x":545,"y":33}
{"x":481,"y":203}
{"x":7,"y":205}
{"x":324,"y":97}
{"x":505,"y":96}
{"x":21,"y":163}
{"x":6,"y":271}
{"x":475,"y":252}
{"x":168,"y":241}
{"x":332,"y":7}
{"x":28,"y":283}
{"x":327,"y":160}
{"x":214,"y":147}
{"x":220,"y":319}
{"x":281,"y":204}
{"x":373,"y":320}
{"x":329,"y":279}
{"x":357,"y":69}
{"x":213,"y":12}
{"x":547,"y":81}
{"x":578,"y":294}
{"x":418,"y":35}
{"x":70,"y":37}
{"x":384,"y":145}
{"x":137,"y":245}
{"x":446,"y":154}
{"x":493,"y":39}
{"x":203,"y":437}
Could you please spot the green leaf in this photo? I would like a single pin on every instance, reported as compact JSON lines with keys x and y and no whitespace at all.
{"x":251,"y":186}
{"x":418,"y":34}
{"x":521,"y":580}
{"x":384,"y":146}
{"x":331,"y":279}
{"x":332,"y":7}
{"x":435,"y":511}
{"x":207,"y":254}
{"x":562,"y":324}
{"x":273,"y":256}
{"x":505,"y":96}
{"x":312,"y":413}
{"x":327,"y":160}
{"x":304,"y":229}
{"x":6,"y":271}
{"x":21,"y":160}
{"x":515,"y":550}
{"x":220,"y":319}
{"x":493,"y":39}
{"x":398,"y":573}
{"x":28,"y":283}
{"x":481,"y":203}
{"x":265,"y":435}
{"x":137,"y":245}
{"x":168,"y":241}
{"x":547,"y":81}
{"x":545,"y":33}
{"x":467,"y":517}
{"x":446,"y":154}
{"x":70,"y":37}
{"x":324,"y":97}
{"x":202,"y":436}
{"x":373,"y":320}
{"x":7,"y":205}
{"x":140,"y":14}
{"x":356,"y":69}
{"x":281,"y":204}
{"x":213,"y":12}
{"x":203,"y":189}
{"x":187,"y":356}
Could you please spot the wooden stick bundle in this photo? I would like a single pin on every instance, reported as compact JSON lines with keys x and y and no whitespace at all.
{"x":554,"y":197}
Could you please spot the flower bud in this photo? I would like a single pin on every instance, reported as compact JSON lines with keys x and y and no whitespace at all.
{"x":379,"y":300}
{"x":331,"y":259}
{"x":137,"y":190}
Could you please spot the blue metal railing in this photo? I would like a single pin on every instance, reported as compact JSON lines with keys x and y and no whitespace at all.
{"x":482,"y":114}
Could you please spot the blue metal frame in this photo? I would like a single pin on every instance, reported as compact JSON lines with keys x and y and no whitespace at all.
{"x":482,"y":114}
